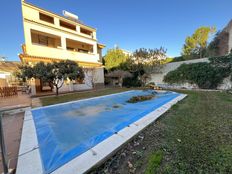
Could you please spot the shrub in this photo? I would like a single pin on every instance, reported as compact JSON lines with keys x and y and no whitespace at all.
{"x":140,"y":98}
{"x":205,"y":75}
{"x":178,"y":59}
{"x":131,"y":82}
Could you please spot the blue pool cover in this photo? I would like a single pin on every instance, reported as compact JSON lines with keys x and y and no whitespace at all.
{"x":67,"y":130}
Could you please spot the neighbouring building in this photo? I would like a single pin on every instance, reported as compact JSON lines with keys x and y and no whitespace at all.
{"x":225,"y":40}
{"x":7,"y":69}
{"x":126,"y":52}
{"x":51,"y":37}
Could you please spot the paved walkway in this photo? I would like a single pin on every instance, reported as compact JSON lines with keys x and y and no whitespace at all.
{"x":15,"y":101}
{"x":12,"y":126}
{"x":36,"y":102}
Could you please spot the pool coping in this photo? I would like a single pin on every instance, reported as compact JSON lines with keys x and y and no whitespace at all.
{"x":29,"y":159}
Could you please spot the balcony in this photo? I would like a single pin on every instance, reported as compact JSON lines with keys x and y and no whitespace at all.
{"x":59,"y":53}
{"x":53,"y":46}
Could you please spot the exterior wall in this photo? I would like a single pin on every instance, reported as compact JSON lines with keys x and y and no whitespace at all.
{"x":157,"y":78}
{"x":7,"y":79}
{"x":226,"y":84}
{"x":3,"y":82}
{"x":99,"y":76}
{"x":32,"y":22}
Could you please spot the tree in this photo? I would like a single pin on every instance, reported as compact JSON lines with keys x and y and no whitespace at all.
{"x":55,"y":73}
{"x":147,"y":61}
{"x":24,"y":72}
{"x":113,"y":58}
{"x":196,"y":44}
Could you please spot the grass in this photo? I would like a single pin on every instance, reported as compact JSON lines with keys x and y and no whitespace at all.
{"x":195,"y":136}
{"x":198,"y":135}
{"x":80,"y":95}
{"x":154,"y":162}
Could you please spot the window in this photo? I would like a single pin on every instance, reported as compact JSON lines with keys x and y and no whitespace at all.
{"x":82,"y":47}
{"x":67,"y":25}
{"x":85,"y":31}
{"x":45,"y":39}
{"x":46,"y":18}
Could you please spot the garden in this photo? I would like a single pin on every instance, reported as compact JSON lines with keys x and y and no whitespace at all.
{"x":193,"y":137}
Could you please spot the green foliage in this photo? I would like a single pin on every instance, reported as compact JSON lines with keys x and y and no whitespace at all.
{"x":154,"y":162}
{"x":25,"y":71}
{"x":131,"y":82}
{"x":178,"y":59}
{"x":141,"y":64}
{"x":55,"y":73}
{"x":120,"y":75}
{"x":195,"y":45}
{"x":168,"y":60}
{"x":140,"y":98}
{"x":205,"y":75}
{"x":113,"y":58}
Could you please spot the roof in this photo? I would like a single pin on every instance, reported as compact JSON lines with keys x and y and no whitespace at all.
{"x":49,"y":59}
{"x":101,"y":45}
{"x":8,"y":66}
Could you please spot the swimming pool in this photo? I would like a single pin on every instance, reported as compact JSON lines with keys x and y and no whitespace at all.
{"x":65,"y":131}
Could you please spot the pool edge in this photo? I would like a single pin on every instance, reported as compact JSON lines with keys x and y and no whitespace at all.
{"x":29,"y":160}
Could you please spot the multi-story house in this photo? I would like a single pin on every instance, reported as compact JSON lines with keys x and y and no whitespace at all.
{"x":52,"y":37}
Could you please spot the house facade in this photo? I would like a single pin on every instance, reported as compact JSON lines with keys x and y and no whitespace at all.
{"x":51,"y":37}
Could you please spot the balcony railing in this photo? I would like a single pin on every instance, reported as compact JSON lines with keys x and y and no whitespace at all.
{"x":43,"y":51}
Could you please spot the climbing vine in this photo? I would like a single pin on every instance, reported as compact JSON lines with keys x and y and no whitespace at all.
{"x":207,"y":75}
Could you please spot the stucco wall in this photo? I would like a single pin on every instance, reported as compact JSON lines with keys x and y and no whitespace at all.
{"x":32,"y":21}
{"x":158,"y":77}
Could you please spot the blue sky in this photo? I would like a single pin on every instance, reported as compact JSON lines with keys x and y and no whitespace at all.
{"x":130,"y":24}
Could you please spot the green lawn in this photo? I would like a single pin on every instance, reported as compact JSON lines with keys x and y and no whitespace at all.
{"x":194,"y":136}
{"x":197,"y":135}
{"x":80,"y":95}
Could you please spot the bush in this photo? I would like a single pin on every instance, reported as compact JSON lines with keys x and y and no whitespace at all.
{"x":205,"y":75}
{"x":131,"y":82}
{"x":178,"y":59}
{"x":140,"y":98}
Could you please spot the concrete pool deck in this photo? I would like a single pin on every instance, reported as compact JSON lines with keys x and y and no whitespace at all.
{"x":29,"y":160}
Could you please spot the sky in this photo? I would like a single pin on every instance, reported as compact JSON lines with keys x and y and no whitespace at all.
{"x":129,"y":24}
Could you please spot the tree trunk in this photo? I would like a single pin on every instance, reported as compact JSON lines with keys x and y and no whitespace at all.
{"x":57,"y":91}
